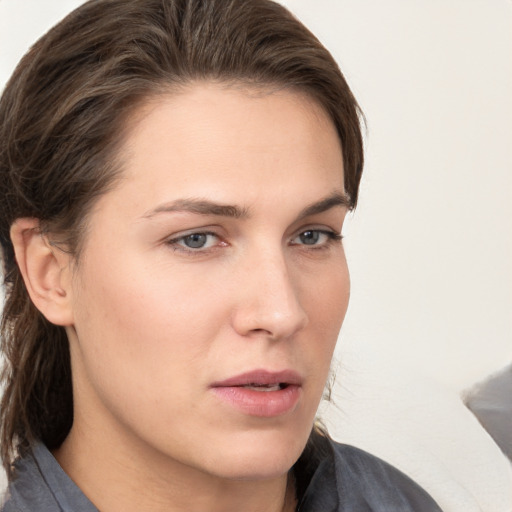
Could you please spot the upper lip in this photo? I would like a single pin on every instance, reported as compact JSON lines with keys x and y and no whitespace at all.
{"x":261,"y":378}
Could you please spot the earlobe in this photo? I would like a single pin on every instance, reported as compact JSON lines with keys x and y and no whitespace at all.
{"x":45,"y":270}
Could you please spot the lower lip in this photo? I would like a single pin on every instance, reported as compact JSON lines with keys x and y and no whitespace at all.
{"x":265,"y":404}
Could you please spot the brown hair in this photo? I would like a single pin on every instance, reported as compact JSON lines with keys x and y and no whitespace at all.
{"x":61,"y":119}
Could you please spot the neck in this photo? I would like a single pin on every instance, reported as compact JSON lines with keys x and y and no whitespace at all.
{"x":119,"y":479}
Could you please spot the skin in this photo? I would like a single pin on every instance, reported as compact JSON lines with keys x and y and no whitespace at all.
{"x":153,"y":323}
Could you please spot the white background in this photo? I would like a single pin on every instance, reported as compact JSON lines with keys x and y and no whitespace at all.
{"x":430,"y":246}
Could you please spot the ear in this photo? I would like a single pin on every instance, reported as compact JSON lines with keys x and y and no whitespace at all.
{"x":46,"y":271}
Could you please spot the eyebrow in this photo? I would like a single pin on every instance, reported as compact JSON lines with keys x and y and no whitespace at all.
{"x":206,"y":207}
{"x":335,"y":199}
{"x":200,"y":206}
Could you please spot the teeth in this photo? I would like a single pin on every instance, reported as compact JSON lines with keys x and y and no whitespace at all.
{"x":254,"y":387}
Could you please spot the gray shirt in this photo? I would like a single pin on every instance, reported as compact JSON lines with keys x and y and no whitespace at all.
{"x":333,"y":478}
{"x":42,"y":485}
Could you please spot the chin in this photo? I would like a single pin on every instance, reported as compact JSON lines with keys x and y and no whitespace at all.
{"x":259,"y":456}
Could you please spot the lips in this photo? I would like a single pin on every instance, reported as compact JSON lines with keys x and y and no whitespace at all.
{"x":262,"y":378}
{"x":260,"y":392}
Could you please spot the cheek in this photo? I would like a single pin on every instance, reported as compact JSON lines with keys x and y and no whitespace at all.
{"x":326,"y":301}
{"x":142,"y":316}
{"x":327,"y":296}
{"x":144,"y":343}
{"x":134,"y":323}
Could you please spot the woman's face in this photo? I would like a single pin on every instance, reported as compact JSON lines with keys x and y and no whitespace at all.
{"x":213,"y":283}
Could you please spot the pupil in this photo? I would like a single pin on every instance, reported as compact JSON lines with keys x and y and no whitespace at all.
{"x":195,"y":241}
{"x":309,"y":237}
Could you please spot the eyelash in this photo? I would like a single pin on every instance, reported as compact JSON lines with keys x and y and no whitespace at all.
{"x":177,"y":243}
{"x":331,"y":237}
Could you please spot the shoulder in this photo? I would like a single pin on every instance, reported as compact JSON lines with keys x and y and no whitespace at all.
{"x":378,"y":482}
{"x":39,"y":484}
{"x":335,"y":477}
{"x":27,"y":490}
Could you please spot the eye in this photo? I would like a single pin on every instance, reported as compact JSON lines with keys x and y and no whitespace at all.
{"x":315,"y":237}
{"x":194,"y":241}
{"x":310,"y":237}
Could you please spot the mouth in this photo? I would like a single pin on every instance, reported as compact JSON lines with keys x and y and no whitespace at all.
{"x":260,"y":392}
{"x":266,"y":387}
{"x":261,"y":379}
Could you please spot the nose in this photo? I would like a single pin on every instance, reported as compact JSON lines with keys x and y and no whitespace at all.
{"x":268,"y":299}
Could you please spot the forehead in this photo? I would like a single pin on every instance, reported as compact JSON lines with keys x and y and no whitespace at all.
{"x":212,"y":139}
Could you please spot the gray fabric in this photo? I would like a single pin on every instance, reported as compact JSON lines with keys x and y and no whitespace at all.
{"x":356,"y":481}
{"x":341,"y":479}
{"x":41,"y":485}
{"x":491,"y":403}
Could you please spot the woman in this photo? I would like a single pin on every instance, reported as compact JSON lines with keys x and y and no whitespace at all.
{"x":175,"y":175}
